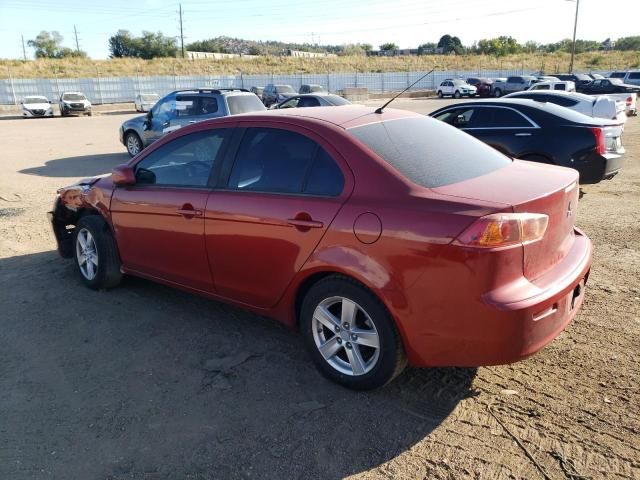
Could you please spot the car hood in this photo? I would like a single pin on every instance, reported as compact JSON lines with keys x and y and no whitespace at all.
{"x":135,"y":122}
{"x":37,"y":106}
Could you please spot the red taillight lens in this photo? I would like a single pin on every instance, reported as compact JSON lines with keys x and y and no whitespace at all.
{"x":629,"y":101}
{"x":601,"y":146}
{"x":503,"y":230}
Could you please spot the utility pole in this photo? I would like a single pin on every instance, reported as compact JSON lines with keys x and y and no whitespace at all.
{"x":24,"y":52}
{"x":75,"y":32}
{"x":181,"y":34}
{"x":575,"y":27}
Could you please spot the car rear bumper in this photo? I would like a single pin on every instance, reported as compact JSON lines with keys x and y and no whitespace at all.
{"x":594,"y":167}
{"x":511,"y":322}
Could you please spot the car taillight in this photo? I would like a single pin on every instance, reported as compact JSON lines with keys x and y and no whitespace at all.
{"x":629,"y":101}
{"x":598,"y":134}
{"x":503,"y":230}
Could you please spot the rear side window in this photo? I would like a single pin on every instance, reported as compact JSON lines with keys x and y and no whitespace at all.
{"x":187,"y":105}
{"x":634,"y":75}
{"x":279,"y":161}
{"x":244,"y":104}
{"x":490,"y":117}
{"x":560,"y":86}
{"x":429,"y":152}
{"x":563,"y":101}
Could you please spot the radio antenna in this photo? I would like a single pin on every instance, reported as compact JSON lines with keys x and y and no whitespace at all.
{"x":380,"y":110}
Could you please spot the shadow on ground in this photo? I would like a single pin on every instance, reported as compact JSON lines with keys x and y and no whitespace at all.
{"x":82,"y":166}
{"x":145,"y":381}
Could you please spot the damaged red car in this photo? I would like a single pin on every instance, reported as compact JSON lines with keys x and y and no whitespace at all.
{"x":386,"y":238}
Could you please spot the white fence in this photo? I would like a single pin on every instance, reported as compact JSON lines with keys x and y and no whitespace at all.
{"x":124,"y":89}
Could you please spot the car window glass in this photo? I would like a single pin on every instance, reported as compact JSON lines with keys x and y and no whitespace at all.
{"x":562,"y":101}
{"x":186,"y":106}
{"x":163,"y":109}
{"x":540,"y":87}
{"x":244,"y":103}
{"x":308,"y":102}
{"x":186,"y":161}
{"x":489,"y":117}
{"x":272,"y":160}
{"x":325,"y":177}
{"x":208,"y":105}
{"x":560,"y":86}
{"x":634,"y":75}
{"x":290,"y":103}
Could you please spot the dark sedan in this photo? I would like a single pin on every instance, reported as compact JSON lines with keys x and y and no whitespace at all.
{"x":607,"y":85}
{"x":543,"y":132}
{"x":313,"y":100}
{"x":483,"y":85}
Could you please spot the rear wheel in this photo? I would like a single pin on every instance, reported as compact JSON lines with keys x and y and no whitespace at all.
{"x":133,"y":143}
{"x":96,"y":254}
{"x":497,"y":93}
{"x":456,"y":94}
{"x":439,"y":93}
{"x":350,"y":335}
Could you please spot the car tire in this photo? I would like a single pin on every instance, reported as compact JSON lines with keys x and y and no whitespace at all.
{"x":440,"y":94}
{"x":133,"y":143}
{"x":456,"y":94}
{"x":96,"y":254}
{"x":90,"y":114}
{"x":497,"y":93}
{"x":362,"y":350}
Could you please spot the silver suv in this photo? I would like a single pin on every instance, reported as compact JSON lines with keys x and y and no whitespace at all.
{"x":184,"y":107}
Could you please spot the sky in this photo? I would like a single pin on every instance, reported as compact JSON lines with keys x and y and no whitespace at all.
{"x":408,"y":23}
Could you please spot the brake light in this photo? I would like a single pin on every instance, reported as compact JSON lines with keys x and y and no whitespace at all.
{"x":598,"y":134}
{"x":629,"y":101}
{"x":503,"y":230}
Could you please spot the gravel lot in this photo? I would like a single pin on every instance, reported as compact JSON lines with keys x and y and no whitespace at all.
{"x":147,"y":382}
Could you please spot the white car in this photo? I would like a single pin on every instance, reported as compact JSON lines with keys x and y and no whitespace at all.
{"x":564,"y":86}
{"x":145,"y":101}
{"x":601,"y":106}
{"x":456,"y":88}
{"x":36,"y":106}
{"x":74,"y":103}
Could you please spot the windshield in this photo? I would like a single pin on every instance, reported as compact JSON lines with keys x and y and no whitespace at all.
{"x":29,"y":100}
{"x":73,"y":96}
{"x":244,"y":103}
{"x":284,"y":89}
{"x":430,"y":152}
{"x":337,"y":100}
{"x":150,"y":97}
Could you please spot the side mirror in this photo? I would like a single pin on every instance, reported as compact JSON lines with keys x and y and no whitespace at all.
{"x":123,"y":175}
{"x":149,"y":114}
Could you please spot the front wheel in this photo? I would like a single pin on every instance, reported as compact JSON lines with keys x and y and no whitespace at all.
{"x":497,"y":93}
{"x":133,"y":143}
{"x":350,"y":334}
{"x":440,"y":94}
{"x":456,"y":94}
{"x":96,"y":254}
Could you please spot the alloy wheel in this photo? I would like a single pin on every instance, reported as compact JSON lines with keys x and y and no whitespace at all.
{"x":345,"y":336}
{"x":87,"y":254}
{"x":133,"y":144}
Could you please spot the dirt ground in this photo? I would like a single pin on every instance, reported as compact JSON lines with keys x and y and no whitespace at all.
{"x":146,"y":382}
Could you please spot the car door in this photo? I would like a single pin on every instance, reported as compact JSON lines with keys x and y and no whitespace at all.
{"x":188,"y":110}
{"x":159,"y":120}
{"x":284,"y":188}
{"x":504,"y":128}
{"x":159,"y":221}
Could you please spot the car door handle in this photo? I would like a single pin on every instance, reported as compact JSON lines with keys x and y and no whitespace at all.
{"x":522,"y":134}
{"x":304,"y":223}
{"x":193,"y":121}
{"x":187,"y":211}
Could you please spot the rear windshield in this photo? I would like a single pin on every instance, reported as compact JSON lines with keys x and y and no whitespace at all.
{"x":244,"y":104}
{"x":284,"y":89}
{"x":430,"y":152}
{"x":337,"y":100}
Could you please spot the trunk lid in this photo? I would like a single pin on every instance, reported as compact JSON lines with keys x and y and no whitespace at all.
{"x":531,"y":188}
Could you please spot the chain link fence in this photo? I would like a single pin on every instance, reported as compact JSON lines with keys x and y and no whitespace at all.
{"x":101,"y":90}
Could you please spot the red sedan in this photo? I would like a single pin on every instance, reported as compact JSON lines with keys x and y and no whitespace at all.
{"x":386,"y":238}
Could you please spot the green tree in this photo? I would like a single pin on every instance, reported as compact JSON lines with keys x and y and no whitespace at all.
{"x":388,"y":46}
{"x":628,"y":43}
{"x":47,"y":44}
{"x":352,"y":49}
{"x":531,"y":46}
{"x":149,"y":45}
{"x":426,"y":48}
{"x":499,"y":46}
{"x":450,"y":44}
{"x":122,"y":44}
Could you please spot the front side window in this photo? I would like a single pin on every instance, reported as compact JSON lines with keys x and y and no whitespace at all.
{"x":292,"y":103}
{"x":308,"y":102}
{"x":187,"y":106}
{"x":187,"y":161}
{"x":279,"y":161}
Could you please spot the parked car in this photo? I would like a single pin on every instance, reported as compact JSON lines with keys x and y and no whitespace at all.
{"x":258,"y":91}
{"x":386,"y":238}
{"x":631,"y":77}
{"x":145,"y":101}
{"x":71,"y":103}
{"x":630,"y":102}
{"x":482,"y":84}
{"x":601,"y":106}
{"x":276,"y":94}
{"x":515,"y":83}
{"x":577,"y":78}
{"x":498,"y":82}
{"x":543,"y":132}
{"x":36,"y":106}
{"x":606,"y":86}
{"x":184,"y":107}
{"x":311,"y":88}
{"x":562,"y":85}
{"x":312,"y":100}
{"x":456,"y":88}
